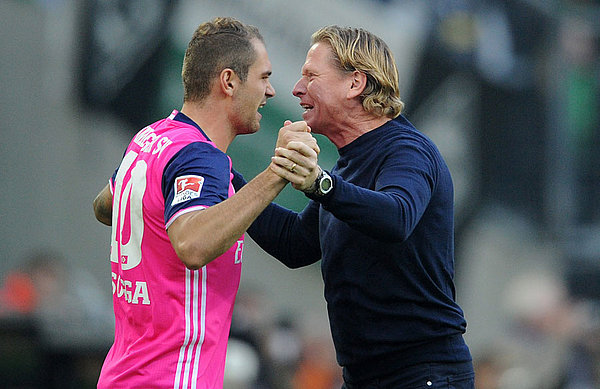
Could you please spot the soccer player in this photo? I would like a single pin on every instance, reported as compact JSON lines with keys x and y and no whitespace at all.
{"x":177,"y":226}
{"x":381,"y":222}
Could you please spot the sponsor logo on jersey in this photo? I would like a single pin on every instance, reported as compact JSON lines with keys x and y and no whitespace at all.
{"x":187,"y":188}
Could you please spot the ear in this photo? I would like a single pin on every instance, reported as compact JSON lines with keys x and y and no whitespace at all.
{"x":228,"y":81}
{"x":358,"y":84}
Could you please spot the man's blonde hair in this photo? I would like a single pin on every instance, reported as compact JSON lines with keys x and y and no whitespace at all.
{"x":358,"y":49}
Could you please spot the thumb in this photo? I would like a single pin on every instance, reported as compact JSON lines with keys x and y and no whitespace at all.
{"x":287,"y":123}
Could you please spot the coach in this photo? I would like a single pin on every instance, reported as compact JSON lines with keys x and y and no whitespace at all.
{"x":381,"y":221}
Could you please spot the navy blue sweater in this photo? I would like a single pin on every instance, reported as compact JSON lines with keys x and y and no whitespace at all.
{"x":385,"y":237}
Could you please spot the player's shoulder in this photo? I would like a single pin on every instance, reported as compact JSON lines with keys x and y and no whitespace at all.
{"x":204,"y":149}
{"x":206,"y":152}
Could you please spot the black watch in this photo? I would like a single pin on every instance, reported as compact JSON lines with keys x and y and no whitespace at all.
{"x":322,"y":185}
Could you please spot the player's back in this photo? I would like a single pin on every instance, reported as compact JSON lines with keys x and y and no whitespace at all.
{"x":172,"y":323}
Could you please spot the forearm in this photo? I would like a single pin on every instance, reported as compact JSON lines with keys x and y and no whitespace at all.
{"x":200,"y":237}
{"x":389,"y":214}
{"x":292,"y":238}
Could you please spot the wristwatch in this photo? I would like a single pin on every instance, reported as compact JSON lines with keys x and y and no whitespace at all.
{"x":322,"y":185}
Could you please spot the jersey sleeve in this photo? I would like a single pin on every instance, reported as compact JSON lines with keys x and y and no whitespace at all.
{"x":197,"y":177}
{"x":238,"y":180}
{"x":111,"y":180}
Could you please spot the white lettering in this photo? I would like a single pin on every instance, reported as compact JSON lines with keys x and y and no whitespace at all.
{"x":141,"y":291}
{"x":123,"y":289}
{"x":149,"y":142}
{"x":141,"y":137}
{"x":162,"y":144}
{"x":238,"y":251}
{"x":146,"y":139}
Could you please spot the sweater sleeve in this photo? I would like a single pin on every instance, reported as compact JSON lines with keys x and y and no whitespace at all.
{"x":390,"y":211}
{"x":290,"y":237}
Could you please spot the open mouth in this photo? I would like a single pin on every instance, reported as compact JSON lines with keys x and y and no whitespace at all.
{"x":306,"y":107}
{"x":261,"y":106}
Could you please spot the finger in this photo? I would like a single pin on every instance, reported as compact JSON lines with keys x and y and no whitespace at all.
{"x":290,"y":165}
{"x":306,"y":139}
{"x":291,"y":131}
{"x":303,"y":148}
{"x":287,"y":158}
{"x":312,"y":145}
{"x":305,"y":166}
{"x":286,"y":174}
{"x":299,"y":126}
{"x":307,"y":147}
{"x":299,"y":181}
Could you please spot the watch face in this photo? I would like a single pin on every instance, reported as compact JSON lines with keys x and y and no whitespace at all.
{"x":325,"y":184}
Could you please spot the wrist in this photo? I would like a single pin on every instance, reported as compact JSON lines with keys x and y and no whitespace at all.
{"x":272,"y":177}
{"x":322,"y":185}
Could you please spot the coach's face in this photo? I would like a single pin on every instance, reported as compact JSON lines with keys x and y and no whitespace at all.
{"x":322,"y":90}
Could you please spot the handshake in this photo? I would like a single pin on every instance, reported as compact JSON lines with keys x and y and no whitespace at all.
{"x":296,"y":153}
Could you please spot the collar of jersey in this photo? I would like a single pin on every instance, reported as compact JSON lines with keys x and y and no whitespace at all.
{"x":181,"y":117}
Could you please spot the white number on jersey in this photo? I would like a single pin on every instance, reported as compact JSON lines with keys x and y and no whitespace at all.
{"x":128,"y":198}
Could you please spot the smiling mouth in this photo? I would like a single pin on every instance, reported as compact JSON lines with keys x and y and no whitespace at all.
{"x":306,"y":107}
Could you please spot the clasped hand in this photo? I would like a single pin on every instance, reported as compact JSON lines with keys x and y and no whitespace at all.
{"x":296,"y":155}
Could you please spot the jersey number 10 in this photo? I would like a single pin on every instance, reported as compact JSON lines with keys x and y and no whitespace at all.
{"x":127,"y":217}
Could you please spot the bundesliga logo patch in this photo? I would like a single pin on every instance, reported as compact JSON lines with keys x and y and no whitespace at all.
{"x":187,"y":188}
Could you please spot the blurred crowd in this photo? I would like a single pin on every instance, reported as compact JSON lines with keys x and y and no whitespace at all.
{"x":56,"y":326}
{"x":553,"y":339}
{"x":55,"y":332}
{"x":271,"y":349}
{"x":55,"y":322}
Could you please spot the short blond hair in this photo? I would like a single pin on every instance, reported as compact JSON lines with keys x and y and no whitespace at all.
{"x":358,"y":49}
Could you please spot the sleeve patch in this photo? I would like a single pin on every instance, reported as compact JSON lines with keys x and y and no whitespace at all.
{"x":187,"y":188}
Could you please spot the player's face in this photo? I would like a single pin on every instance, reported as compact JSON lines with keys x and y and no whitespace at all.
{"x":254,"y":92}
{"x":321,"y":89}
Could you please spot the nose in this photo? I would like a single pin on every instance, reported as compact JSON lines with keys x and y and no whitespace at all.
{"x":270,"y":92}
{"x":300,"y":88}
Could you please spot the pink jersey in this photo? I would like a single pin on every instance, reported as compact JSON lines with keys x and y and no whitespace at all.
{"x":171,"y":323}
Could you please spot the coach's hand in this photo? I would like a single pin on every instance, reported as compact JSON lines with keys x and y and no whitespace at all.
{"x":296,"y":131}
{"x":296,"y":155}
